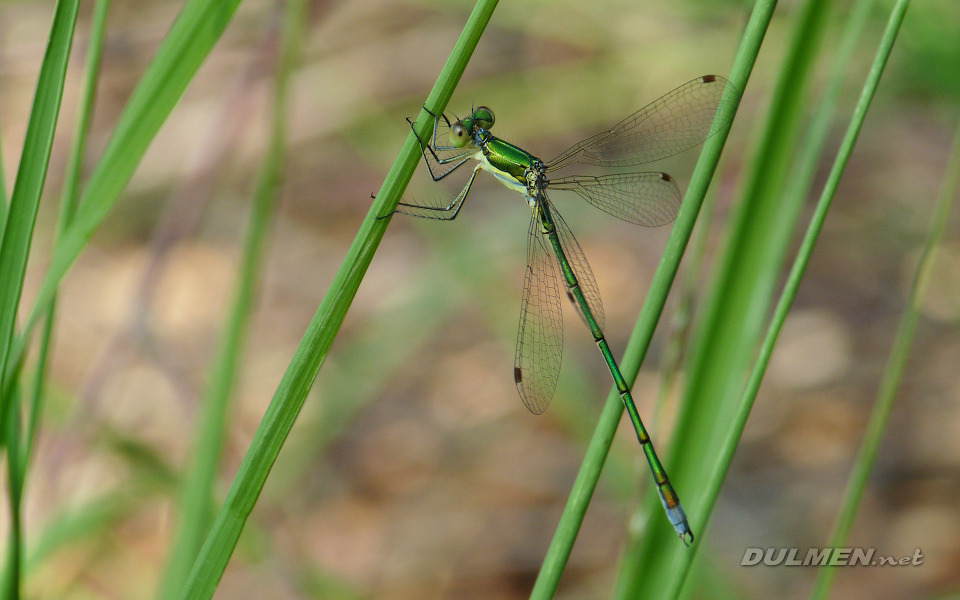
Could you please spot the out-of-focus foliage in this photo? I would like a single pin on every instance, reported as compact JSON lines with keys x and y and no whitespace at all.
{"x":930,"y":66}
{"x":414,"y":470}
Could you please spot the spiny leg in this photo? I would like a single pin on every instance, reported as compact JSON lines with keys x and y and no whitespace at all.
{"x":436,"y":125}
{"x":456,"y":160}
{"x":445,"y":213}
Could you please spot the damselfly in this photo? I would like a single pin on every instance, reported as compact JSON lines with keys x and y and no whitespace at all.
{"x":676,"y":122}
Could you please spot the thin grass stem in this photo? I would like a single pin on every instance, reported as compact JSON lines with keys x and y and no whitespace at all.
{"x":599,"y":447}
{"x":893,"y":373}
{"x":15,"y":248}
{"x":190,"y":39}
{"x":196,"y":494}
{"x":12,"y":567}
{"x":32,"y":171}
{"x":798,"y":269}
{"x":302,"y":370}
{"x":68,"y":203}
{"x":23,"y":441}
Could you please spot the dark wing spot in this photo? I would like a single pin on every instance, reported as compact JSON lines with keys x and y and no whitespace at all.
{"x":708,"y":78}
{"x":517,"y":374}
{"x":570,"y":295}
{"x":666,"y":177}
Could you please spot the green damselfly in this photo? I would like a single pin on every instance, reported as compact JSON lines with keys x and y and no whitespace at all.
{"x":679,"y":121}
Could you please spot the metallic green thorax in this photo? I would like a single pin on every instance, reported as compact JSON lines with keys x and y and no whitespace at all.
{"x":508,"y":158}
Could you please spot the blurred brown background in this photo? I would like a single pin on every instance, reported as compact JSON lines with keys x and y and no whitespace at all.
{"x":414,"y":470}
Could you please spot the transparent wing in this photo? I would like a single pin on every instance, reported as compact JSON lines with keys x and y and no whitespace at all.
{"x":648,"y":198}
{"x":676,"y":122}
{"x":581,"y":268}
{"x":540,"y":339}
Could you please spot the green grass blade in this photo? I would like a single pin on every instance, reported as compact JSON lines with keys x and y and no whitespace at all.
{"x":32,"y":171}
{"x":21,"y":457}
{"x":857,"y":19}
{"x":77,"y":524}
{"x":88,"y":95}
{"x":680,"y":320}
{"x":189,"y":41}
{"x":303,"y":368}
{"x":894,"y":370}
{"x":353,"y":386}
{"x":596,"y":454}
{"x":68,"y":203}
{"x":196,"y":495}
{"x":818,"y":130}
{"x":3,"y":191}
{"x":12,"y":568}
{"x":15,"y":248}
{"x":729,"y":323}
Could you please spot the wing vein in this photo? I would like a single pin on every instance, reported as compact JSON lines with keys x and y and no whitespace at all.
{"x":540,"y":336}
{"x":672,"y":124}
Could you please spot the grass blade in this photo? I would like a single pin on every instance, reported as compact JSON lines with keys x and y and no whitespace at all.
{"x":297,"y":380}
{"x":894,"y":370}
{"x":586,"y":481}
{"x":76,"y":524}
{"x":68,"y":203}
{"x":729,"y":324}
{"x":32,"y":171}
{"x":189,"y":41}
{"x":196,"y":495}
{"x":3,"y":191}
{"x":810,"y":238}
{"x":15,"y":248}
{"x":12,"y":567}
{"x":23,"y":442}
{"x":819,"y":127}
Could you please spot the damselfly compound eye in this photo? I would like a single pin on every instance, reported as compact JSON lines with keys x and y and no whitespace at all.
{"x":458,"y":135}
{"x":483,"y":117}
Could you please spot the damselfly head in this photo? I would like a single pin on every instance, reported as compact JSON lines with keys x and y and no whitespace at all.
{"x":463,"y":130}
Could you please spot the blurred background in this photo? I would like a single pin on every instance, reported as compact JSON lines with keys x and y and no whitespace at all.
{"x":414,"y":470}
